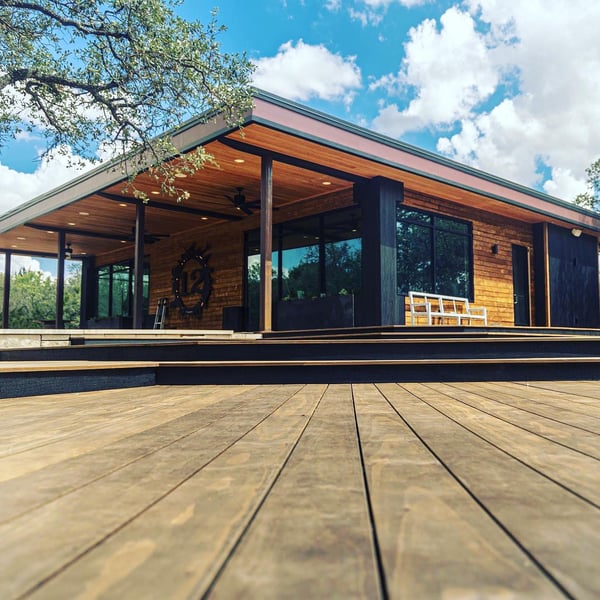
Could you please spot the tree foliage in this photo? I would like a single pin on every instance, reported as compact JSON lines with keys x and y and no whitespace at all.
{"x":591,"y":198}
{"x":116,"y":73}
{"x":33,"y":299}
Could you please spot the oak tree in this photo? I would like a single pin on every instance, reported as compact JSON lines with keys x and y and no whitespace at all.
{"x":115,"y":74}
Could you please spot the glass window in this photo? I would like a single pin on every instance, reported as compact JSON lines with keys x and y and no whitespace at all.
{"x":312,"y":257}
{"x":103,"y":292}
{"x":433,"y":253}
{"x":115,"y":290}
{"x":121,"y":291}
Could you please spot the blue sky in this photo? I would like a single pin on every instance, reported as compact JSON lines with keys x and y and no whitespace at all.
{"x":508,"y":86}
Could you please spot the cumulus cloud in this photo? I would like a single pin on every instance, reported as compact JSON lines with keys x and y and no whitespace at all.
{"x":16,"y":188}
{"x":304,"y":71}
{"x":449,"y":70}
{"x":27,"y":263}
{"x":516,"y":83}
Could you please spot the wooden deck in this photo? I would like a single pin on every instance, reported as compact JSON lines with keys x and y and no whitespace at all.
{"x":437,"y":490}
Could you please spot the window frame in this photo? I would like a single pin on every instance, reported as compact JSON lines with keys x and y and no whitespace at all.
{"x":433,"y":226}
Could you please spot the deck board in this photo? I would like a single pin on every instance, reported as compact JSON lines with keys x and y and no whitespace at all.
{"x":435,"y":540}
{"x":312,"y":538}
{"x":563,"y":538}
{"x":581,"y":441}
{"x":475,"y":489}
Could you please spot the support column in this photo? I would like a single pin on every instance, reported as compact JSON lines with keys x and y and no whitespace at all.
{"x":60,"y":282}
{"x":266,"y":245}
{"x":381,"y":304}
{"x":138,"y":268}
{"x":6,"y":293}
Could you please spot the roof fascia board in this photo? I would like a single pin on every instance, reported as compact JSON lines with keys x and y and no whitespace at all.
{"x":289,"y":117}
{"x":194,"y":133}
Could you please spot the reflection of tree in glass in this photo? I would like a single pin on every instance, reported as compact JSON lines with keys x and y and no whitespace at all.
{"x":414,"y":271}
{"x":302,"y":280}
{"x":343,"y":267}
{"x":342,"y":271}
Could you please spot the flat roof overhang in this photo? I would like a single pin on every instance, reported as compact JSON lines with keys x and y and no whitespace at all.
{"x":308,"y":149}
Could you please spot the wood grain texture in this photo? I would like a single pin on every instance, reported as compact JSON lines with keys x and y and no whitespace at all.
{"x":312,"y":538}
{"x":435,"y":540}
{"x":559,"y":530}
{"x":63,"y":530}
{"x":439,"y":490}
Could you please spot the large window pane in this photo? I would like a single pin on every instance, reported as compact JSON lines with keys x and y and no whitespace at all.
{"x":121,"y":291}
{"x":433,"y":253}
{"x":115,"y":293}
{"x":414,"y":258}
{"x":103,"y":292}
{"x":300,"y":272}
{"x":343,"y":267}
{"x":452,"y":266}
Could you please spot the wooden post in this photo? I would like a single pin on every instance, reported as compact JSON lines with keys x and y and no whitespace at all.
{"x":266,"y":244}
{"x":60,"y":282}
{"x":138,"y":267}
{"x":6,"y":293}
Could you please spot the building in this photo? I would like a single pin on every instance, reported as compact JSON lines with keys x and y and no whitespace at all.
{"x":346,"y":221}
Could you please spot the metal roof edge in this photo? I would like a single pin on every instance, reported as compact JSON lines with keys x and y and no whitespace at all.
{"x":416,"y":151}
{"x":7,"y":220}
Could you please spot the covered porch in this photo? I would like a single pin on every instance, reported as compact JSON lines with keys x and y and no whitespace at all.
{"x":304,"y":221}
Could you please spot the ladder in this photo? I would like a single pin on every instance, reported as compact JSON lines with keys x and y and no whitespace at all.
{"x":161,"y":313}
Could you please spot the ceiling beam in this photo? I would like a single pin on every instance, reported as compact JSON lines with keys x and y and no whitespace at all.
{"x":82,"y":232}
{"x":172,"y":207}
{"x":290,"y":160}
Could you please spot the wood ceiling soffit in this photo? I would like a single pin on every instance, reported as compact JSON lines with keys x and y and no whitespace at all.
{"x":290,"y":160}
{"x":200,"y":212}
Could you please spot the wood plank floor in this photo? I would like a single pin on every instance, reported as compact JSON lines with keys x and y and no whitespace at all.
{"x":438,"y":490}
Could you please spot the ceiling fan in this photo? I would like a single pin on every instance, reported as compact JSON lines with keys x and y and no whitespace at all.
{"x":239,"y":201}
{"x":149,"y":238}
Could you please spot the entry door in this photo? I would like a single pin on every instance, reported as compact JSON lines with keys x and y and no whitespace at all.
{"x":520,"y":261}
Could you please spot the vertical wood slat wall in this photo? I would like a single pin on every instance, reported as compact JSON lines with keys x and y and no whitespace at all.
{"x":493,"y":282}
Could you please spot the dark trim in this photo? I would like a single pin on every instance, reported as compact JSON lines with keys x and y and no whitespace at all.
{"x":6,"y":292}
{"x":138,"y":267}
{"x":172,"y":207}
{"x":291,"y":160}
{"x":60,"y":281}
{"x":82,"y":232}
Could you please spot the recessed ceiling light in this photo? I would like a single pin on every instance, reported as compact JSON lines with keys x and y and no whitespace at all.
{"x":123,"y":241}
{"x":83,"y":253}
{"x":155,"y":193}
{"x":122,"y":204}
{"x":204,"y":218}
{"x":239,"y":161}
{"x":83,"y":213}
{"x":181,"y":175}
{"x":49,"y":231}
{"x":71,"y":223}
{"x":326,"y":182}
{"x":20,"y":237}
{"x":14,"y":246}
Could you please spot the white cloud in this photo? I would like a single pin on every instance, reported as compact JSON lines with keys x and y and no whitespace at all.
{"x":16,"y":188}
{"x":564,"y":184}
{"x":374,"y":11}
{"x":306,"y":71}
{"x":27,"y":263}
{"x":449,"y":70}
{"x":519,"y":82}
